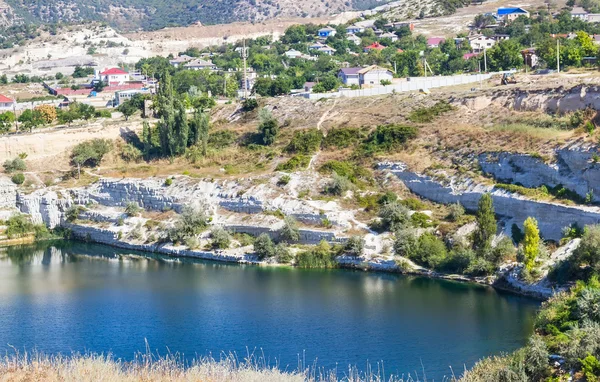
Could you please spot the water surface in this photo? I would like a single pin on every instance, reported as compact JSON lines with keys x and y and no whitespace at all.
{"x":76,"y":297}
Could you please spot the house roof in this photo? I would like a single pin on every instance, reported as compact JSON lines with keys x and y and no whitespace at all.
{"x":309,"y":84}
{"x":350,"y":71}
{"x":199,"y":63}
{"x":293,"y":51}
{"x":5,"y":99}
{"x":113,"y":71}
{"x":326,"y":29}
{"x":467,"y":56}
{"x":510,"y":11}
{"x":376,"y":46}
{"x":371,"y":68}
{"x":388,"y":34}
{"x":326,"y":48}
{"x":578,"y":11}
{"x":435,"y":40}
{"x":352,"y":36}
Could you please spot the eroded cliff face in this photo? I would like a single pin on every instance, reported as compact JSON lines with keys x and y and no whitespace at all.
{"x":574,"y":168}
{"x":551,"y":217}
{"x":558,"y":100}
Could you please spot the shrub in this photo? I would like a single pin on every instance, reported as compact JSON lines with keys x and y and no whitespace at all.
{"x":420,"y":220}
{"x":342,"y":137}
{"x":393,"y":216}
{"x":353,"y":172}
{"x":221,"y":239}
{"x":264,"y":247}
{"x":268,"y":129}
{"x":428,"y":114}
{"x":455,"y":211}
{"x":190,"y":223}
{"x":249,"y":104}
{"x":72,"y":213}
{"x":413,"y":204}
{"x":305,"y":142}
{"x":406,"y":243}
{"x":102,"y":114}
{"x":18,"y":226}
{"x":588,"y":252}
{"x":221,"y":139}
{"x":130,"y":153}
{"x":132,"y":209}
{"x":321,"y":256}
{"x":168,"y":182}
{"x":14,"y":165}
{"x":388,"y":197}
{"x":590,"y":366}
{"x":289,"y":232}
{"x":354,"y":246}
{"x":284,"y":180}
{"x":431,"y":251}
{"x":90,"y":153}
{"x":389,"y":137}
{"x":283,"y":254}
{"x":338,"y":186}
{"x":18,"y":178}
{"x":458,"y":260}
{"x":480,"y":267}
{"x":296,"y":162}
{"x":48,"y":113}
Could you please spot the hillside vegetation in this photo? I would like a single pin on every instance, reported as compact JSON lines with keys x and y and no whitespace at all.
{"x":156,"y":14}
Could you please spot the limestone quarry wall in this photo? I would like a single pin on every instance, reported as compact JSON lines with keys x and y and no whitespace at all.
{"x":551,"y":217}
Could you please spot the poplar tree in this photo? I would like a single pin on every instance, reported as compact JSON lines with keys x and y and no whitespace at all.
{"x":181,"y":129}
{"x":199,"y":128}
{"x":486,"y":224}
{"x":531,"y":242}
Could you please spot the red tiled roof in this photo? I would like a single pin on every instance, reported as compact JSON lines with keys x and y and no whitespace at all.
{"x":5,"y":99}
{"x":375,"y":45}
{"x":435,"y":40}
{"x":113,"y":71}
{"x":467,"y":56}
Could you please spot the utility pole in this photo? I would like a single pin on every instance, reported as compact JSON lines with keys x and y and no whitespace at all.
{"x":485,"y":59}
{"x":244,"y":56}
{"x":557,"y":54}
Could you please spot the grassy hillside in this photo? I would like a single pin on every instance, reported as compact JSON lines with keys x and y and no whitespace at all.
{"x":155,"y":14}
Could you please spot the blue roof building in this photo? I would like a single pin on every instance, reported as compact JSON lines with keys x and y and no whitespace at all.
{"x":510,"y":14}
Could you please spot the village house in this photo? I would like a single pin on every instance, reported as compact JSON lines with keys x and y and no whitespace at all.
{"x":308,"y":86}
{"x":349,"y":76}
{"x":293,"y":53}
{"x":501,"y":37}
{"x":181,"y":60}
{"x":6,"y":103}
{"x":579,"y":13}
{"x":374,"y":46}
{"x":510,"y":14}
{"x":200,"y":64}
{"x":390,"y":35}
{"x":322,"y":48}
{"x":479,"y":43}
{"x":126,"y":95}
{"x":353,"y":29}
{"x":398,"y":25}
{"x":369,"y":76}
{"x":434,"y":42}
{"x":113,"y":76}
{"x":354,"y":39}
{"x":327,"y":32}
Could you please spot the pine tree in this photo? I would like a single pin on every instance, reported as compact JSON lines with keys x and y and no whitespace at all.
{"x":486,"y":224}
{"x":531,"y":242}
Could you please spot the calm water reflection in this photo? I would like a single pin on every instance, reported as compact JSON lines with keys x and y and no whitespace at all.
{"x":79,"y":297}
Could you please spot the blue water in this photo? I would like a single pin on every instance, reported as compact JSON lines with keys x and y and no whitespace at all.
{"x":75,"y":297}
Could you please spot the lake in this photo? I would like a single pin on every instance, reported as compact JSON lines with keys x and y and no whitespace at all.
{"x":75,"y":297}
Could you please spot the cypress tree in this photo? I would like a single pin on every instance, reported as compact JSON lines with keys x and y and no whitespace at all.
{"x":531,"y":242}
{"x":147,"y":139}
{"x":486,"y":224}
{"x":181,"y":129}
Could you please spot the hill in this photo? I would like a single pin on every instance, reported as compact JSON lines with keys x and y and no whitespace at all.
{"x":132,"y":15}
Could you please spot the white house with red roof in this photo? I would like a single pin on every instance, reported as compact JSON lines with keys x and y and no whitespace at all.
{"x":114,"y":76}
{"x":6,"y":103}
{"x":434,"y":42}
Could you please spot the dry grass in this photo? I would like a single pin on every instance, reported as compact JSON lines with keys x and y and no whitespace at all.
{"x":147,"y":368}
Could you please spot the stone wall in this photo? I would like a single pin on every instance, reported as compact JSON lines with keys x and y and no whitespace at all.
{"x":43,"y":206}
{"x":551,"y":217}
{"x":574,"y":168}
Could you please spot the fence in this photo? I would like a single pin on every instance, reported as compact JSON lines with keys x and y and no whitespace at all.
{"x":411,"y":84}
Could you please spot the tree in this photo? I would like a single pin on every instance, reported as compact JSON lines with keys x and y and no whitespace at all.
{"x":86,"y":111}
{"x":198,"y":132}
{"x":289,"y":232}
{"x":268,"y":128}
{"x":481,"y":21}
{"x":531,"y":242}
{"x":263,"y":246}
{"x":99,"y":86}
{"x":203,"y":103}
{"x":48,"y":112}
{"x":89,"y":153}
{"x":486,"y":223}
{"x":505,"y":55}
{"x":67,"y":116}
{"x":6,"y":120}
{"x":31,"y":119}
{"x":127,"y":109}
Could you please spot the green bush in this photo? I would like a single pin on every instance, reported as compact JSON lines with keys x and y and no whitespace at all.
{"x":18,"y":178}
{"x":338,"y":186}
{"x":90,"y":153}
{"x":249,"y":104}
{"x":294,"y":163}
{"x":413,"y":204}
{"x":102,"y":114}
{"x":321,"y":256}
{"x":289,"y":233}
{"x":221,"y":139}
{"x":168,"y":182}
{"x":190,"y":223}
{"x":393,"y":216}
{"x":130,"y":153}
{"x":19,"y":226}
{"x":480,"y":267}
{"x":72,"y":213}
{"x":355,"y":173}
{"x":268,"y":130}
{"x":431,"y":251}
{"x":406,"y":243}
{"x":455,"y":211}
{"x":14,"y":165}
{"x":428,"y":114}
{"x":283,"y":254}
{"x":354,"y":246}
{"x":458,"y":261}
{"x":388,"y":197}
{"x":420,"y":220}
{"x":305,"y":142}
{"x":387,"y":138}
{"x":342,"y":138}
{"x":264,"y":247}
{"x":221,"y":239}
{"x":284,"y":180}
{"x":132,"y":209}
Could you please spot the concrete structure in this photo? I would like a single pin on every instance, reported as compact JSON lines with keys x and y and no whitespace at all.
{"x":530,"y":57}
{"x":327,"y":32}
{"x":293,"y":53}
{"x":308,"y":86}
{"x":199,"y":64}
{"x":579,"y":13}
{"x":401,"y":24}
{"x":353,"y":29}
{"x":354,"y":39}
{"x":373,"y":75}
{"x":6,"y":103}
{"x":181,"y":60}
{"x":479,"y":43}
{"x":349,"y":76}
{"x":114,"y":76}
{"x":125,"y":95}
{"x":511,"y":14}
